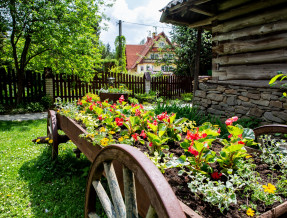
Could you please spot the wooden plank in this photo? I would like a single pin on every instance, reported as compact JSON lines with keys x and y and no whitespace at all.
{"x":252,"y":31}
{"x":253,"y":58}
{"x":104,"y":199}
{"x":227,"y":4}
{"x":115,"y":190}
{"x":253,"y":72}
{"x":261,"y":44}
{"x":130,"y":193}
{"x":252,"y":20}
{"x":200,"y":11}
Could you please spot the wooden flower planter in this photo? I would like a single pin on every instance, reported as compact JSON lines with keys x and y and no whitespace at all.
{"x":130,"y":173}
{"x":112,"y":96}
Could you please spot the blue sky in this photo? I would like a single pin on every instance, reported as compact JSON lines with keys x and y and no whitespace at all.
{"x":134,"y":11}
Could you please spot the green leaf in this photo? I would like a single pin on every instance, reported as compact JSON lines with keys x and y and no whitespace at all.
{"x":185,"y":144}
{"x":248,"y":134}
{"x":235,"y":130}
{"x":275,"y":78}
{"x":153,"y":127}
{"x":172,"y":118}
{"x":161,"y":129}
{"x":180,"y":121}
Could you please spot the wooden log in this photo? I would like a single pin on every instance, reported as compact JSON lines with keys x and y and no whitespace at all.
{"x":252,"y":31}
{"x":253,"y":58}
{"x":130,"y":193}
{"x":262,"y":44}
{"x":252,"y":20}
{"x":104,"y":199}
{"x":115,"y":190}
{"x":253,"y":72}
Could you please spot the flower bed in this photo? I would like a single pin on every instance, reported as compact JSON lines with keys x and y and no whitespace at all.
{"x":211,"y":175}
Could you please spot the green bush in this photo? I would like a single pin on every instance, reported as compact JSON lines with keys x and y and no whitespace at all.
{"x":187,"y":97}
{"x":46,"y":102}
{"x":146,"y":97}
{"x":35,"y":107}
{"x":2,"y":109}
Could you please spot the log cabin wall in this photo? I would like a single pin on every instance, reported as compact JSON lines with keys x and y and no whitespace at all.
{"x":249,"y":48}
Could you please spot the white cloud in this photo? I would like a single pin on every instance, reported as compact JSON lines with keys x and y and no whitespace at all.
{"x":146,"y":13}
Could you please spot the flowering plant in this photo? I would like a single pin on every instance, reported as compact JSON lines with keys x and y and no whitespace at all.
{"x":121,"y":90}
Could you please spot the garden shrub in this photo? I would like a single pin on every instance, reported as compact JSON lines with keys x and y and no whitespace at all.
{"x":187,"y":97}
{"x":146,"y":97}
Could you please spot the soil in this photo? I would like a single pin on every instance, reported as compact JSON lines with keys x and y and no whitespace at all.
{"x":179,"y":184}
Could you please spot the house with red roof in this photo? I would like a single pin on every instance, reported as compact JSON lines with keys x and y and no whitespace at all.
{"x":156,"y":55}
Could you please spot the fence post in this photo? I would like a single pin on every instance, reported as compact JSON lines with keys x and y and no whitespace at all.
{"x":147,"y":82}
{"x":49,"y":83}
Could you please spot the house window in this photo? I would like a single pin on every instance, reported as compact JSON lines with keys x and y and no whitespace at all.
{"x":152,"y":56}
{"x":161,"y":44}
{"x":142,"y":68}
{"x":147,"y":67}
{"x":156,"y":56}
{"x":165,"y":56}
{"x":170,"y":56}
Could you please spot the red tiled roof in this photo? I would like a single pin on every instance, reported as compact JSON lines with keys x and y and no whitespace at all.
{"x":132,"y":54}
{"x":135,"y":53}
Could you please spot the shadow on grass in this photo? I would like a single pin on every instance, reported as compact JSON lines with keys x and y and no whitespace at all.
{"x":57,"y":188}
{"x":21,"y":125}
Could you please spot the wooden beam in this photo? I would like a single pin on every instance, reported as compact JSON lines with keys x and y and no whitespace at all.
{"x":227,"y":4}
{"x":253,"y":58}
{"x":199,"y":2}
{"x":239,"y":12}
{"x":197,"y":60}
{"x":277,"y":41}
{"x":200,"y":11}
{"x":252,"y":20}
{"x":252,"y":31}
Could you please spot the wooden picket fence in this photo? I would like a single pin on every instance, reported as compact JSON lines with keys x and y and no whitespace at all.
{"x":33,"y":91}
{"x":70,"y":87}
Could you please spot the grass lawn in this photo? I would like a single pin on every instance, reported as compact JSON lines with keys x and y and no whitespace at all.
{"x":31,"y":185}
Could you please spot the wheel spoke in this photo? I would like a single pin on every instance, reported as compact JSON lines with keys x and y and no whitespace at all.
{"x":115,"y":190}
{"x":104,"y":198}
{"x":151,"y":213}
{"x":130,"y":193}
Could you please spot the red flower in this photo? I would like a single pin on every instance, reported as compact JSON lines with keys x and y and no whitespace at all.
{"x":119,"y":121}
{"x":230,"y":136}
{"x":203,"y":135}
{"x":135,"y":136}
{"x":155,"y":123}
{"x":218,"y":131}
{"x":195,"y":136}
{"x":89,"y":98}
{"x":241,"y":142}
{"x":143,"y":134}
{"x":138,"y":112}
{"x":216,"y":175}
{"x":150,"y":144}
{"x":91,"y":107}
{"x":162,"y":116}
{"x":192,"y":150}
{"x":79,"y":102}
{"x":240,"y":136}
{"x":141,"y":107}
{"x":100,"y":117}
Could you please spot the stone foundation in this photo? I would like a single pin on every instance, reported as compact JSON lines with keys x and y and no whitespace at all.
{"x":243,"y":99}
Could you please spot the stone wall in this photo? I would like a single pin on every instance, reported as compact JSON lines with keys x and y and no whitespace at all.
{"x":257,"y":100}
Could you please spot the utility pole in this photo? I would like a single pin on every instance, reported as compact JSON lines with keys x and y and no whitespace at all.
{"x":120,"y":39}
{"x":197,"y":60}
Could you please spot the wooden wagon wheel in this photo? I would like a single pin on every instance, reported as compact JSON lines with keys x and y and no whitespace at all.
{"x":52,"y":132}
{"x":269,"y":129}
{"x":134,"y":168}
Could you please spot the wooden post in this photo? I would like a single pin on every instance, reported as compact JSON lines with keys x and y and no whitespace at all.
{"x":197,"y":60}
{"x":49,"y":83}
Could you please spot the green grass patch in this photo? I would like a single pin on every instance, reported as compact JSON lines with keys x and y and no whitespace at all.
{"x":31,"y":184}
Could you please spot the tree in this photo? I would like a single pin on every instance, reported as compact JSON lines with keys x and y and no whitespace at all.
{"x":186,"y":39}
{"x":48,"y":33}
{"x":120,"y":44}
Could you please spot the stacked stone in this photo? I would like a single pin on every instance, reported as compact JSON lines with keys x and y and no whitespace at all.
{"x":242,"y":101}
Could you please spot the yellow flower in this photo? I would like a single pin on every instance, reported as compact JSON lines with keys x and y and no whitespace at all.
{"x":126,"y":137}
{"x":112,"y":132}
{"x":46,"y":139}
{"x":51,"y":141}
{"x":248,"y":156}
{"x":102,"y":129}
{"x":216,"y":126}
{"x":38,"y":140}
{"x":121,"y":139}
{"x":250,"y":212}
{"x":8,"y":195}
{"x":269,"y":188}
{"x":104,"y":142}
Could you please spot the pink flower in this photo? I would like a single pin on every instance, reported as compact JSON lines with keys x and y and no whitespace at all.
{"x":143,"y":134}
{"x":135,"y":136}
{"x":121,"y":99}
{"x":228,"y":122}
{"x":192,"y":150}
{"x":119,"y":121}
{"x":216,"y":175}
{"x":234,"y":119}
